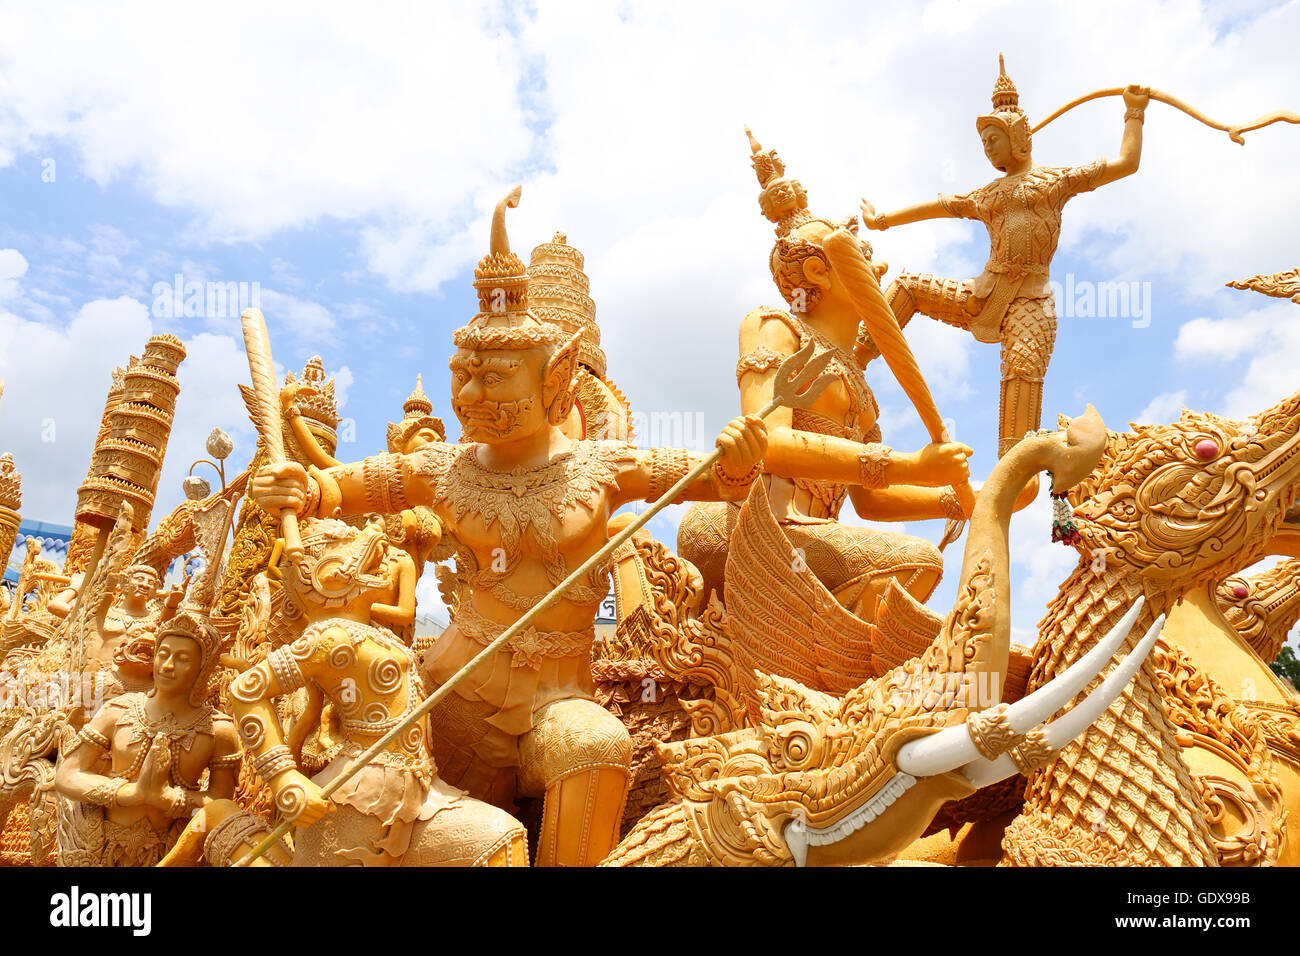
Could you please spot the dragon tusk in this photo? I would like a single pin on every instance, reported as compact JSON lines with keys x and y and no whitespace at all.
{"x":953,"y":748}
{"x":1060,"y":732}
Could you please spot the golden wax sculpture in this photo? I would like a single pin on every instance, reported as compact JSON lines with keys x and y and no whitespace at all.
{"x":11,"y":499}
{"x":831,"y":450}
{"x":396,"y":811}
{"x":777,"y":694}
{"x":1010,"y":302}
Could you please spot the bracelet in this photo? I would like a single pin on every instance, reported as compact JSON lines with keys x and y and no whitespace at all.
{"x":276,"y":760}
{"x":1135,"y":112}
{"x":105,"y":794}
{"x":284,"y":667}
{"x":744,"y":481}
{"x":312,"y":501}
{"x":667,"y":467}
{"x":872,"y":464}
{"x":950,"y":504}
{"x":176,"y":802}
{"x":382,"y":476}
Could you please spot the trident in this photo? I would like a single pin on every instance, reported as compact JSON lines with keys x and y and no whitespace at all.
{"x":799,"y":382}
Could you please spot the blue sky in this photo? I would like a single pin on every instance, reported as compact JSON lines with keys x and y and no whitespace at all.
{"x":348,"y":167}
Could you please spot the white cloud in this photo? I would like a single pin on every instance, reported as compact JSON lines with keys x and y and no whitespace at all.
{"x":1268,"y":337}
{"x":1165,"y":407}
{"x":13,"y":266}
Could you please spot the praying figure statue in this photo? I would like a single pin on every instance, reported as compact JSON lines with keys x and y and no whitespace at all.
{"x":146,"y":762}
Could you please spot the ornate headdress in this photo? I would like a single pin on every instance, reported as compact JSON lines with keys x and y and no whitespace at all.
{"x":785,"y":203}
{"x":194,"y":619}
{"x":195,"y":626}
{"x":11,"y":483}
{"x":560,"y":293}
{"x":1007,"y":114}
{"x":503,"y":320}
{"x":417,"y":413}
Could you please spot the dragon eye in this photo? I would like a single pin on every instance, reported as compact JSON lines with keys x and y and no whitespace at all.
{"x":1239,"y":591}
{"x":1207,"y":448}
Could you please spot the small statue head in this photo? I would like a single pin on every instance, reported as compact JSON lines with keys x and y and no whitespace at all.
{"x":418,"y":426}
{"x":512,"y":375}
{"x":340,"y":565}
{"x":801,"y":268}
{"x":140,"y":581}
{"x":1005,"y":132}
{"x":187,"y":653}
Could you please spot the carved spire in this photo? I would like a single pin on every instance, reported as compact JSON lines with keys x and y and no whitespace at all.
{"x":559,"y":293}
{"x":1005,"y":96}
{"x":417,"y":403}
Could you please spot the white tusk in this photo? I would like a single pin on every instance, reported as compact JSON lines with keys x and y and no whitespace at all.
{"x":981,"y":773}
{"x":796,"y":838}
{"x":1063,"y":730}
{"x":952,"y":748}
{"x":1030,"y":711}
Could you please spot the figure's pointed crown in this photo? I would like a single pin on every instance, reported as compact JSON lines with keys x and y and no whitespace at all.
{"x":417,"y":403}
{"x":503,"y":320}
{"x":320,"y":405}
{"x":1007,"y":113}
{"x":501,"y":277}
{"x":1005,"y":96}
{"x":417,"y":413}
{"x":783,"y":200}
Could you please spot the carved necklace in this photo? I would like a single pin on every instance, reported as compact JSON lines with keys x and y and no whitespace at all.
{"x":532,"y":502}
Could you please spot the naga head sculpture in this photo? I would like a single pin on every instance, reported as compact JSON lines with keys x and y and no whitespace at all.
{"x":1262,"y":608}
{"x":1189,"y":503}
{"x":1005,"y":131}
{"x":512,"y":375}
